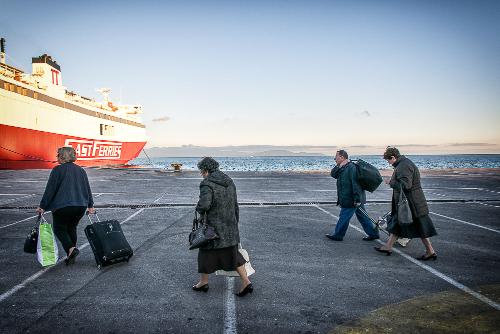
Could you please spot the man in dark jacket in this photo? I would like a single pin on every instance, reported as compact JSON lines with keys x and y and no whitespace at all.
{"x":350,"y":196}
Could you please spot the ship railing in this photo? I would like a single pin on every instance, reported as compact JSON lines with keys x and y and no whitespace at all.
{"x":19,"y":76}
{"x":130,"y":109}
{"x":10,"y":71}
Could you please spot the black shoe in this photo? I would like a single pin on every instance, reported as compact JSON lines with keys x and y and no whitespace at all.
{"x":333,"y":237}
{"x":248,"y":289}
{"x":203,"y":288}
{"x":371,"y":238}
{"x":385,"y":251}
{"x":426,"y":257}
{"x":72,"y":256}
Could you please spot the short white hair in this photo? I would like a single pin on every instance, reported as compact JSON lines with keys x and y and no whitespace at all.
{"x":66,"y":154}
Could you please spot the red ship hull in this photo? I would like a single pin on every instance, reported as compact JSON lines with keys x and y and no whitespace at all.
{"x":31,"y":149}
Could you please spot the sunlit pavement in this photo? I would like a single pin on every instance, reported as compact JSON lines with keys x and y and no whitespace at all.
{"x":305,"y":283}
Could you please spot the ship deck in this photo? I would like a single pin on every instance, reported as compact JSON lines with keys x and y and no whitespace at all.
{"x":305,"y":283}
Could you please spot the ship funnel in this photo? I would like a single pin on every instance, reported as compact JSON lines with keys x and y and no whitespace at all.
{"x":2,"y":50}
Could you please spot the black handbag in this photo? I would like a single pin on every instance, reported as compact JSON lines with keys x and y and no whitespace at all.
{"x":201,"y":234}
{"x":31,"y":240}
{"x":403,"y":216}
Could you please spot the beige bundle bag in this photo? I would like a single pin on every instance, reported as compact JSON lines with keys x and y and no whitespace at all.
{"x":248,"y":265}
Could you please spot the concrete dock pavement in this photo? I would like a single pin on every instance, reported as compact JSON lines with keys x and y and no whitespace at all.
{"x":304,"y":283}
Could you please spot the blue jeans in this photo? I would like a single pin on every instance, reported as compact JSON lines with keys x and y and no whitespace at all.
{"x":346,"y":215}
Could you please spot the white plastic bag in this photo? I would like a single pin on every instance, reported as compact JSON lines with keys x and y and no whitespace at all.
{"x":46,"y":250}
{"x":248,"y":266}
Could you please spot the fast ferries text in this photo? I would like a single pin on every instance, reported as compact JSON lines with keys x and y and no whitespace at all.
{"x":94,"y":150}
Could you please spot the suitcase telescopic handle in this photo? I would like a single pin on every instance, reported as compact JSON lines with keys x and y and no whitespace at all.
{"x":95,"y":214}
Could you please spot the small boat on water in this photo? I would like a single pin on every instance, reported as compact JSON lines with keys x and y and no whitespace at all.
{"x":38,"y":115}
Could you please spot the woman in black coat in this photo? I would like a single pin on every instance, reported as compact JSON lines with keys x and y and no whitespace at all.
{"x":68,"y":196}
{"x":406,"y":177}
{"x":219,"y":203}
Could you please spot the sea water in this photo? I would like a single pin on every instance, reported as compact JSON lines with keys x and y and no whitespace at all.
{"x":322,"y":163}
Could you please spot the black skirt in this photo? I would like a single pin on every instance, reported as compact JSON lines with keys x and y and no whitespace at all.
{"x":422,"y":227}
{"x":228,"y":259}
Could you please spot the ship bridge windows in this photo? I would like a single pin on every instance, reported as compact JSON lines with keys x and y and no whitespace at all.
{"x":107,"y":130}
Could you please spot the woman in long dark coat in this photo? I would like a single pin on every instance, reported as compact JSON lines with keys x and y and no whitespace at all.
{"x":219,"y":203}
{"x":406,"y":177}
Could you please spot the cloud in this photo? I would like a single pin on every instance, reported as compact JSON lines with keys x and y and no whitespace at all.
{"x":472,"y":144}
{"x":161,"y":119}
{"x":366,"y":113}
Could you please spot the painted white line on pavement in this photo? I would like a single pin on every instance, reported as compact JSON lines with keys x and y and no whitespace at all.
{"x":277,"y":191}
{"x":452,"y":188}
{"x":26,"y":181}
{"x":100,"y":194}
{"x":433,"y":271}
{"x":132,"y":216}
{"x":4,"y":226}
{"x":21,"y":285}
{"x":465,"y":222}
{"x":490,"y":205}
{"x":321,"y":190}
{"x":234,"y":178}
{"x":123,"y":222}
{"x":13,"y":194}
{"x":229,"y":308}
{"x":16,"y":199}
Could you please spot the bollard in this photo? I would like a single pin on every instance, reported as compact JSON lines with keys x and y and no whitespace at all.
{"x":176,"y":166}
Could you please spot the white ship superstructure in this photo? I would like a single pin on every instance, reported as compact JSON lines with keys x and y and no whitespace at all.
{"x":38,"y":115}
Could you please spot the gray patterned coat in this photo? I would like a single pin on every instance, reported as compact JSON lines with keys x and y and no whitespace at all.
{"x":218,"y":200}
{"x":406,"y":174}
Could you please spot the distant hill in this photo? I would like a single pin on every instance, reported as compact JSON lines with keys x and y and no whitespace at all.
{"x":228,"y":151}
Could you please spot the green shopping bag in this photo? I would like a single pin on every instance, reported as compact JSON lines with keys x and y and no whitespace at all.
{"x":47,"y":251}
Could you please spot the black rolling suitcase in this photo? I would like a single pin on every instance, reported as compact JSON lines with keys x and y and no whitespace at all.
{"x":107,"y":242}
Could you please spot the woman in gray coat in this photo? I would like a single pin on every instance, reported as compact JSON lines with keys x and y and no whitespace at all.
{"x":219,"y":203}
{"x":406,"y":178}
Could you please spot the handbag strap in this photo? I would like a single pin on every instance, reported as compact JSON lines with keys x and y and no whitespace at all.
{"x":41,"y":219}
{"x":195,"y":221}
{"x":402,"y":196}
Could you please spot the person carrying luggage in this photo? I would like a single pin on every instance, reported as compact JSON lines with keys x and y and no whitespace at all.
{"x":406,"y":178}
{"x":350,"y":196}
{"x":218,"y":203}
{"x":68,"y":196}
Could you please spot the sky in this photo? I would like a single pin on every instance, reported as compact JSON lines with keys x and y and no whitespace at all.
{"x":424,"y":75}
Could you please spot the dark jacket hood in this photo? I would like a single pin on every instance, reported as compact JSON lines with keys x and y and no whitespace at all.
{"x":219,"y":178}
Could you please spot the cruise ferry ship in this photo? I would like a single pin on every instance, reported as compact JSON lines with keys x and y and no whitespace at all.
{"x":38,"y":115}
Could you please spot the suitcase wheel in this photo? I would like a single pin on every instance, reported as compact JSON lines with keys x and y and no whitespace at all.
{"x":98,"y":267}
